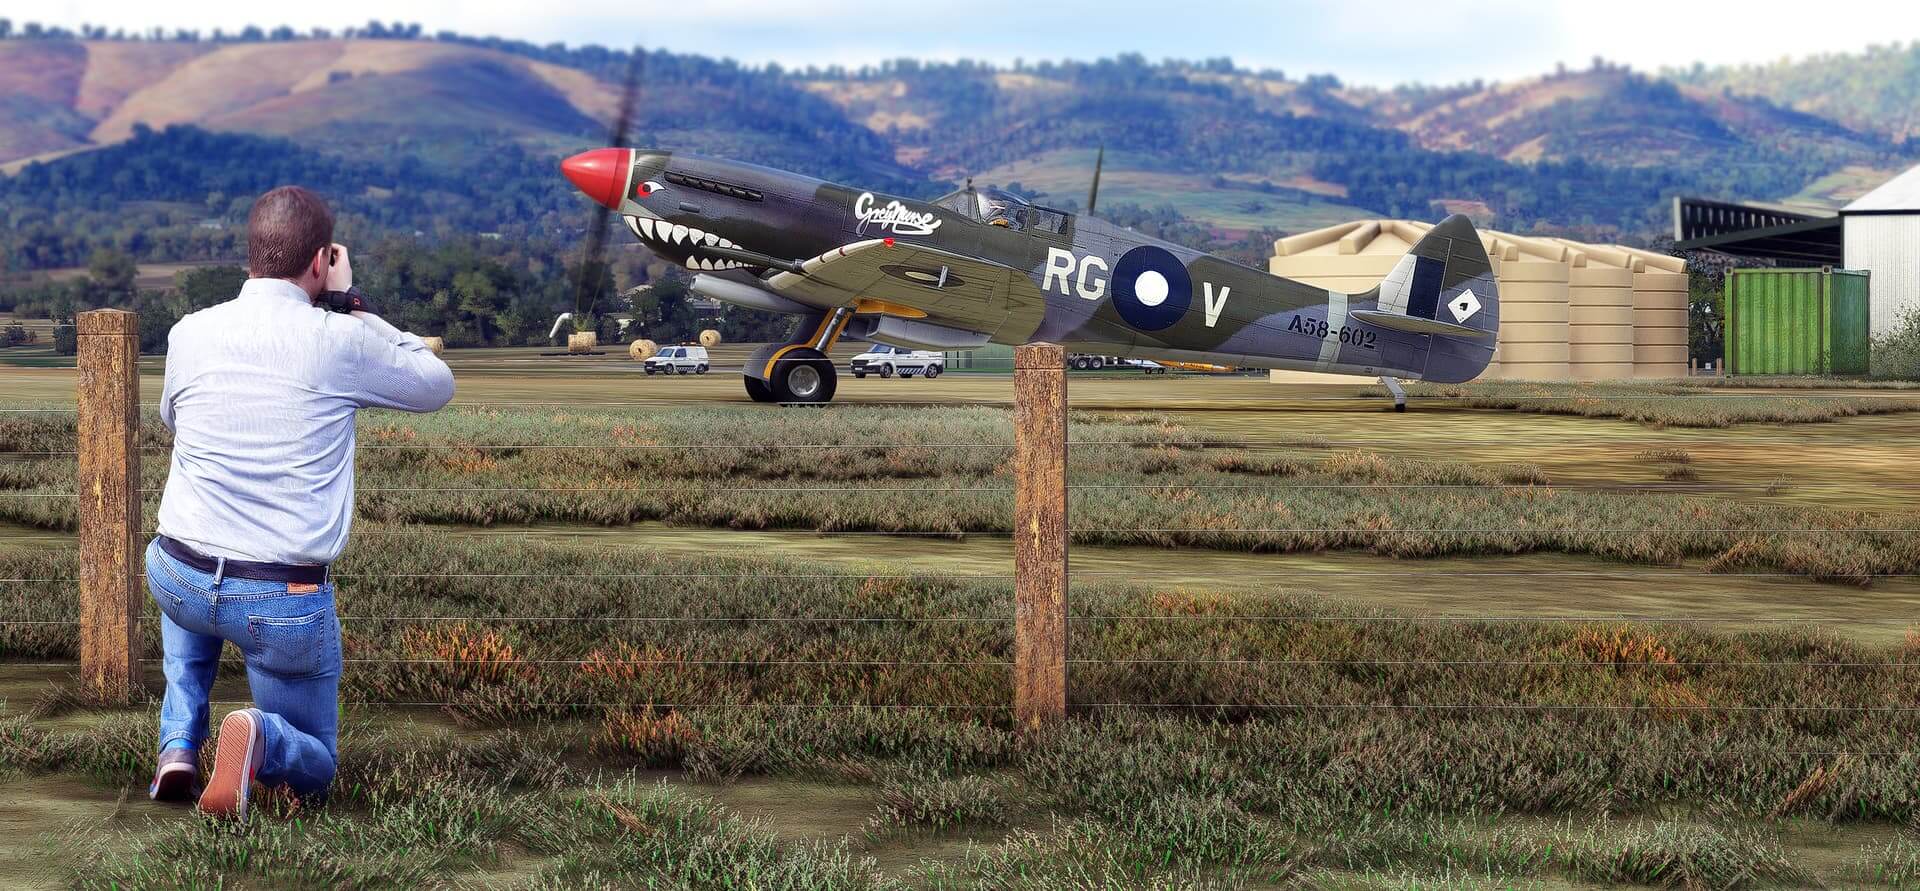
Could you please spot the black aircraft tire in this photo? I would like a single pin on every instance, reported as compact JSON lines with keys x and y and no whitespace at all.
{"x":757,"y":389}
{"x":807,"y":379}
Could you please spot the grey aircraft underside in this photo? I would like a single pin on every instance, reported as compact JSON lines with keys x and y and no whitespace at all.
{"x":984,"y":266}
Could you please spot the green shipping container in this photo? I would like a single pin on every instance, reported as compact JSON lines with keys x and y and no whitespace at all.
{"x":1797,"y":321}
{"x":992,"y":357}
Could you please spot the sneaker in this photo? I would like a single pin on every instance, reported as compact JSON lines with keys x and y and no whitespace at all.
{"x":236,"y":760}
{"x":177,"y":778}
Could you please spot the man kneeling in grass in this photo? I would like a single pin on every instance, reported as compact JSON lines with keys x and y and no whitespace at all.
{"x":261,"y":393}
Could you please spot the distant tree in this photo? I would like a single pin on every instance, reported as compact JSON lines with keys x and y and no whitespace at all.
{"x":66,"y":341}
{"x":204,"y":286}
{"x":6,"y":28}
{"x":112,"y":274}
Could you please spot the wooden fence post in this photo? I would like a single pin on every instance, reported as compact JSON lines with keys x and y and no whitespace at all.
{"x":109,"y":498}
{"x":1040,"y":534}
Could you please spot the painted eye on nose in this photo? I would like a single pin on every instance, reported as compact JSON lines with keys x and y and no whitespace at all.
{"x":646,"y":188}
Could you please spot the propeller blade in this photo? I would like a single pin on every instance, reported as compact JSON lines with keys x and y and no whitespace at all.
{"x":586,"y":287}
{"x":1093,"y":192}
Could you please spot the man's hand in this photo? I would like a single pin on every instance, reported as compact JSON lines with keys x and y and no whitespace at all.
{"x":340,"y":273}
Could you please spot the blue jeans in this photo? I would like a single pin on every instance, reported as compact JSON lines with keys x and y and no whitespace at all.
{"x":291,"y":641}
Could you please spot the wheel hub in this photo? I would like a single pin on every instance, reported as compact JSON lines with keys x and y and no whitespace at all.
{"x":804,"y":380}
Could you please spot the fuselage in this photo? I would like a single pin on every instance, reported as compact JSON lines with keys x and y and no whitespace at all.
{"x":1087,"y":284}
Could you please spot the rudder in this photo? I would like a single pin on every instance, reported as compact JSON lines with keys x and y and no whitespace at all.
{"x":1443,"y":287}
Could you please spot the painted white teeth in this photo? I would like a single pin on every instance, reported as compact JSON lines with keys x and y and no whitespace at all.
{"x":646,"y":226}
{"x":679,"y":233}
{"x":712,"y":238}
{"x":694,"y":235}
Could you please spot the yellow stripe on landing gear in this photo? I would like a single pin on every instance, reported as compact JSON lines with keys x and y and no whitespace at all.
{"x":823,"y":339}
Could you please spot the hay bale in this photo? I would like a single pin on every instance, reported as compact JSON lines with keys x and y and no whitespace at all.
{"x":642,"y":350}
{"x":582,"y":342}
{"x":709,"y":338}
{"x":437,"y":344}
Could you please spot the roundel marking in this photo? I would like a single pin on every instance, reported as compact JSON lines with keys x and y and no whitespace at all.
{"x":1151,"y":288}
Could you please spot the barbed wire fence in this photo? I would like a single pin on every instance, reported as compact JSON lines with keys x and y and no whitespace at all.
{"x":1038,"y":623}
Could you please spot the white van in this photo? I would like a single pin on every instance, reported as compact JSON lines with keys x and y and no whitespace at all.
{"x":888,"y":361}
{"x":678,"y":360}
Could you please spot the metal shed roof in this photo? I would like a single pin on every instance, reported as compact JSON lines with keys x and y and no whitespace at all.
{"x":1898,"y":195}
{"x":1793,"y":235}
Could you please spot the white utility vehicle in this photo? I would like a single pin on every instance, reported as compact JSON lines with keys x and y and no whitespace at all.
{"x":888,"y":361}
{"x":678,"y":360}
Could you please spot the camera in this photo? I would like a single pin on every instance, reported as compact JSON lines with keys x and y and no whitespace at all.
{"x":350,"y":300}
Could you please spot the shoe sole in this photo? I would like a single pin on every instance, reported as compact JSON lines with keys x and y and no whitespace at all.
{"x":233,"y":767}
{"x":174,"y":784}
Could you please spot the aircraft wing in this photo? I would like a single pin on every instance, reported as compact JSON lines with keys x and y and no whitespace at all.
{"x":952,"y":289}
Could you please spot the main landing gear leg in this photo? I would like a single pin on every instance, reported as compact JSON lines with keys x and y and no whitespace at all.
{"x":798,"y":372}
{"x":1399,"y":393}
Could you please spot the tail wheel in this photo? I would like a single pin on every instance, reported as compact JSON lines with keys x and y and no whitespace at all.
{"x":757,"y":389}
{"x":804,"y":376}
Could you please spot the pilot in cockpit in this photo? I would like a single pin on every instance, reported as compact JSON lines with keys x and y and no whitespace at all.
{"x":1001,"y":209}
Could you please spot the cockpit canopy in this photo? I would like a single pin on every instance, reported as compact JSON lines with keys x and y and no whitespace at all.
{"x":999,"y":207}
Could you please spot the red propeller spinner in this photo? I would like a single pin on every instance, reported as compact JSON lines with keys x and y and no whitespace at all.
{"x":600,"y":173}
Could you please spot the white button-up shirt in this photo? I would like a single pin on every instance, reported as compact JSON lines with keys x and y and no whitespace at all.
{"x":261,"y":393}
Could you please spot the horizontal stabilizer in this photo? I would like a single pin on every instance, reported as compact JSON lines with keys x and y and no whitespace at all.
{"x":1417,"y":325}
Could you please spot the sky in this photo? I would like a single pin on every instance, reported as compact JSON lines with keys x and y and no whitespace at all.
{"x":1374,"y":42}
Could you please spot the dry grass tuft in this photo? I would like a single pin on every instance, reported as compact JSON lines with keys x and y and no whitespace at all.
{"x":1624,"y":648}
{"x":652,"y":738}
{"x":478,"y":655}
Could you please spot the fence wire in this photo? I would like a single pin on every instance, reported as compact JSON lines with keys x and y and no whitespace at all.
{"x":995,"y":660}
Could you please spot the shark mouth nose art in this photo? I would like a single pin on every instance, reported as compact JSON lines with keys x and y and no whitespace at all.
{"x":676,"y":238}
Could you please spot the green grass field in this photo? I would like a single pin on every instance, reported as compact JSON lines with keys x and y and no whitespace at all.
{"x":639,"y":633}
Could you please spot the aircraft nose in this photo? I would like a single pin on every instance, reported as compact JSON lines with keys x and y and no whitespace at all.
{"x":600,"y":173}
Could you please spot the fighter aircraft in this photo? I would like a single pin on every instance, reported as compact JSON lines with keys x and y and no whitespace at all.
{"x":982,"y":265}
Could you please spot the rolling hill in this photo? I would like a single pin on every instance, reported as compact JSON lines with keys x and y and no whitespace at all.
{"x":1874,"y":91}
{"x":1591,"y":151}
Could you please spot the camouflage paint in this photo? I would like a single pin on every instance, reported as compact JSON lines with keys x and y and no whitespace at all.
{"x":1092,"y":287}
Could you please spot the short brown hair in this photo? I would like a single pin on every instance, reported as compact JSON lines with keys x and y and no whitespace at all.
{"x":286,"y":227}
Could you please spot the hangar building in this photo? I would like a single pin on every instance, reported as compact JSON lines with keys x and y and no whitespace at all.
{"x":1881,"y":234}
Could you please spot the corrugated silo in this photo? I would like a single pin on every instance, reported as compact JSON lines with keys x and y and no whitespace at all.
{"x":1348,"y":258}
{"x":1660,"y":299}
{"x":1533,"y":308}
{"x":1599,"y":312}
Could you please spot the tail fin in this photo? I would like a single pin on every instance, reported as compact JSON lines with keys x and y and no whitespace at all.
{"x":1444,"y":286}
